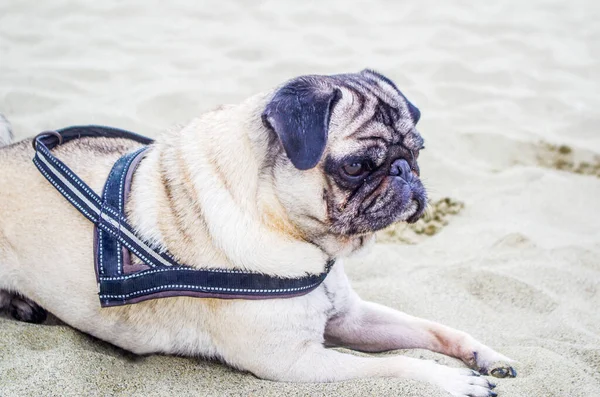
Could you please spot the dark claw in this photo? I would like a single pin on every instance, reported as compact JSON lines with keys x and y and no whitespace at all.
{"x":504,"y":372}
{"x":492,"y":394}
{"x":491,"y":385}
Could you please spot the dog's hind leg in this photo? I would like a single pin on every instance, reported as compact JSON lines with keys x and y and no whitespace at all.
{"x":21,"y":308}
{"x":5,"y":299}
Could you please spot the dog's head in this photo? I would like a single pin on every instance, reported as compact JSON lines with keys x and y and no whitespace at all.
{"x":346,"y":150}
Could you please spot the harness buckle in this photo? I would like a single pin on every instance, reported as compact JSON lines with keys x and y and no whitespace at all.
{"x":56,"y":134}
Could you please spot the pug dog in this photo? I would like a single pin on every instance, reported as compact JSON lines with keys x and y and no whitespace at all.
{"x":279,"y":184}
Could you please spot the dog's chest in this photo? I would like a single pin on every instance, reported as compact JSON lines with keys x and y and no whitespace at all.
{"x":336,"y":289}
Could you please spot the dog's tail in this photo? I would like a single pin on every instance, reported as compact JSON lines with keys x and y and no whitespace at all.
{"x":6,"y":135}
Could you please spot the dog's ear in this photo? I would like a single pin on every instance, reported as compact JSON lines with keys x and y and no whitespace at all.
{"x":299,"y":113}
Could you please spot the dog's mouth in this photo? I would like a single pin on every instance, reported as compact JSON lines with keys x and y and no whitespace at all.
{"x":368,"y":223}
{"x":415,"y":211}
{"x":410,"y":213}
{"x":378,"y":206}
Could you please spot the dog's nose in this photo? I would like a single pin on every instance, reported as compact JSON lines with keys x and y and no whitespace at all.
{"x":401,"y":169}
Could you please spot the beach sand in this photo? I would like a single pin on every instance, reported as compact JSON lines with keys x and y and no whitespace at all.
{"x":510,"y":96}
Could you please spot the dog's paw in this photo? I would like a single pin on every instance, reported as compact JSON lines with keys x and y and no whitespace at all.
{"x":24,"y":309}
{"x":502,"y":370}
{"x":462,"y":382}
{"x":490,"y":362}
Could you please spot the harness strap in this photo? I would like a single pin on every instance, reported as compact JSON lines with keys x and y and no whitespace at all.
{"x":111,"y":254}
{"x":116,"y":239}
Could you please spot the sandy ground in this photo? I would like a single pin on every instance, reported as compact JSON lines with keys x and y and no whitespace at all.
{"x":509,"y":92}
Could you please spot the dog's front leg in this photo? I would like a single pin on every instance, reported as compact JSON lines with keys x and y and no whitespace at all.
{"x":371,"y":327}
{"x":310,"y":361}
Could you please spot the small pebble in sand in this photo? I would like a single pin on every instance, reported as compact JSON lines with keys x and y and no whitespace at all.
{"x":565,"y":158}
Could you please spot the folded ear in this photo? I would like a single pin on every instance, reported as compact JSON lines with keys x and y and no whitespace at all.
{"x":299,"y":114}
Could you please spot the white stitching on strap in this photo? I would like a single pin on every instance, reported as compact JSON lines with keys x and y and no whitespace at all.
{"x":100,"y":250}
{"x":100,"y":231}
{"x":143,"y":244}
{"x":128,"y":245}
{"x":121,"y":199}
{"x":134,"y":275}
{"x":60,"y":189}
{"x":196,"y":287}
{"x":50,"y":157}
{"x":123,"y":174}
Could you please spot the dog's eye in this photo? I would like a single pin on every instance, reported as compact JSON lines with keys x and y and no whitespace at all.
{"x":353,"y":169}
{"x":356,"y":168}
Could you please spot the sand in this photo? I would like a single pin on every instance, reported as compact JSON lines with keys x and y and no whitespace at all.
{"x":509,"y":92}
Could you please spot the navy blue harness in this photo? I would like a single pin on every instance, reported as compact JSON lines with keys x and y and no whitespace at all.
{"x":119,"y":281}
